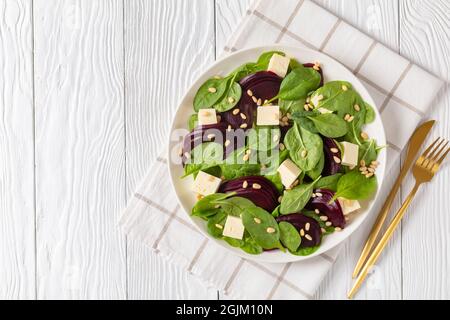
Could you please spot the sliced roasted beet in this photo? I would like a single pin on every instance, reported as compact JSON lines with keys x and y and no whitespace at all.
{"x":264,"y":85}
{"x":331,"y":167}
{"x":264,"y":196}
{"x":311,"y":65}
{"x":332,"y":210}
{"x":213,"y":133}
{"x":299,"y":221}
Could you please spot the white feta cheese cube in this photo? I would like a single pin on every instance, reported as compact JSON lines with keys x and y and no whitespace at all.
{"x":279,"y":65}
{"x":349,"y":206}
{"x":324,"y":110}
{"x":207,"y":116}
{"x":289,"y":172}
{"x":350,"y":156}
{"x":268,"y":116}
{"x":234,"y":228}
{"x":206,"y":184}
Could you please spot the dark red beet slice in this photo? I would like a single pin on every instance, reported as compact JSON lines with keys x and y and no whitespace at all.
{"x":299,"y":221}
{"x":310,"y":65}
{"x":331,"y":167}
{"x":265,"y":197}
{"x":264,"y":85}
{"x":332,"y":210}
{"x":202,"y":134}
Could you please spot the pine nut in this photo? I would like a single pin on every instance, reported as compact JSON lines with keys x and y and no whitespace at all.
{"x":323,"y":218}
{"x":344,"y":87}
{"x":257,"y":220}
{"x":302,"y":233}
{"x":236,"y":111}
{"x":357,"y":107}
{"x":334,"y":150}
{"x":245,"y":184}
{"x":307,"y":236}
{"x":231,"y":100}
{"x":218,"y":226}
{"x":307,"y":225}
{"x":250,"y":93}
{"x":212,"y":90}
{"x":336,"y":159}
{"x":227,"y":143}
{"x":304,"y":153}
{"x":256,"y":186}
{"x":243,"y":126}
{"x":270,"y":230}
{"x":364,"y":135}
{"x":243,"y":116}
{"x":328,"y":224}
{"x":317,"y":211}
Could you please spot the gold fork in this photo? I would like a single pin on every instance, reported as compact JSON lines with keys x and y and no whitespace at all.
{"x":424,"y":170}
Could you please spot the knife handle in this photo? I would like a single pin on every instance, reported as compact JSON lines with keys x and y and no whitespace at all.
{"x":379,"y":223}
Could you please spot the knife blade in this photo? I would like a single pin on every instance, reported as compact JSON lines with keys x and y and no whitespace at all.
{"x":415,"y":144}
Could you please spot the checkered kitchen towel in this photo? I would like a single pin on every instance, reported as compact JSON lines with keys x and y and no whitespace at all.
{"x":402,"y":91}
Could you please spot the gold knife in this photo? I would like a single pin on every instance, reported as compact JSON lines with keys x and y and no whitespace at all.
{"x":415,"y":143}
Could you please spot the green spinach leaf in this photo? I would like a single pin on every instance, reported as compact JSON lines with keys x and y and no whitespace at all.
{"x":370,"y":114}
{"x":305,"y":148}
{"x":355,"y":186}
{"x":205,"y":207}
{"x":330,"y":125}
{"x":368,"y":151}
{"x":317,"y":171}
{"x":299,"y":83}
{"x":193,"y":121}
{"x":329,"y":182}
{"x":305,"y":251}
{"x":233,"y":206}
{"x":230,"y":98}
{"x":276,"y":180}
{"x":215,"y":221}
{"x":262,"y":227}
{"x":206,"y":99}
{"x":295,"y":200}
{"x":291,"y":106}
{"x":289,"y":236}
{"x":234,"y":171}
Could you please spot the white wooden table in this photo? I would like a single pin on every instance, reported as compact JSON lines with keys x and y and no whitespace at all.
{"x":87,"y":92}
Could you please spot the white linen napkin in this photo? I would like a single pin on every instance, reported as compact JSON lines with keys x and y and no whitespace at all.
{"x":403,"y":92}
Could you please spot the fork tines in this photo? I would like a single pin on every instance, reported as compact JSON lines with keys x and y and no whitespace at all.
{"x":432,"y":155}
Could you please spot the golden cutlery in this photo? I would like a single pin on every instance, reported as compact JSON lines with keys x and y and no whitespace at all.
{"x":424,"y":170}
{"x":415,"y":143}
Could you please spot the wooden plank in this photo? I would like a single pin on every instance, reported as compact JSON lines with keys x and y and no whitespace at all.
{"x":380,"y":20}
{"x":80,"y":140}
{"x":17,"y":243}
{"x":424,"y":32}
{"x":167,"y":44}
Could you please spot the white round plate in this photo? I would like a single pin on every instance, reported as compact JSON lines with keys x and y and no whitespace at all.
{"x":333,"y":70}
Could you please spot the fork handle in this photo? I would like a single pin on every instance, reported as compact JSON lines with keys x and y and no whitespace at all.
{"x":383,"y":241}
